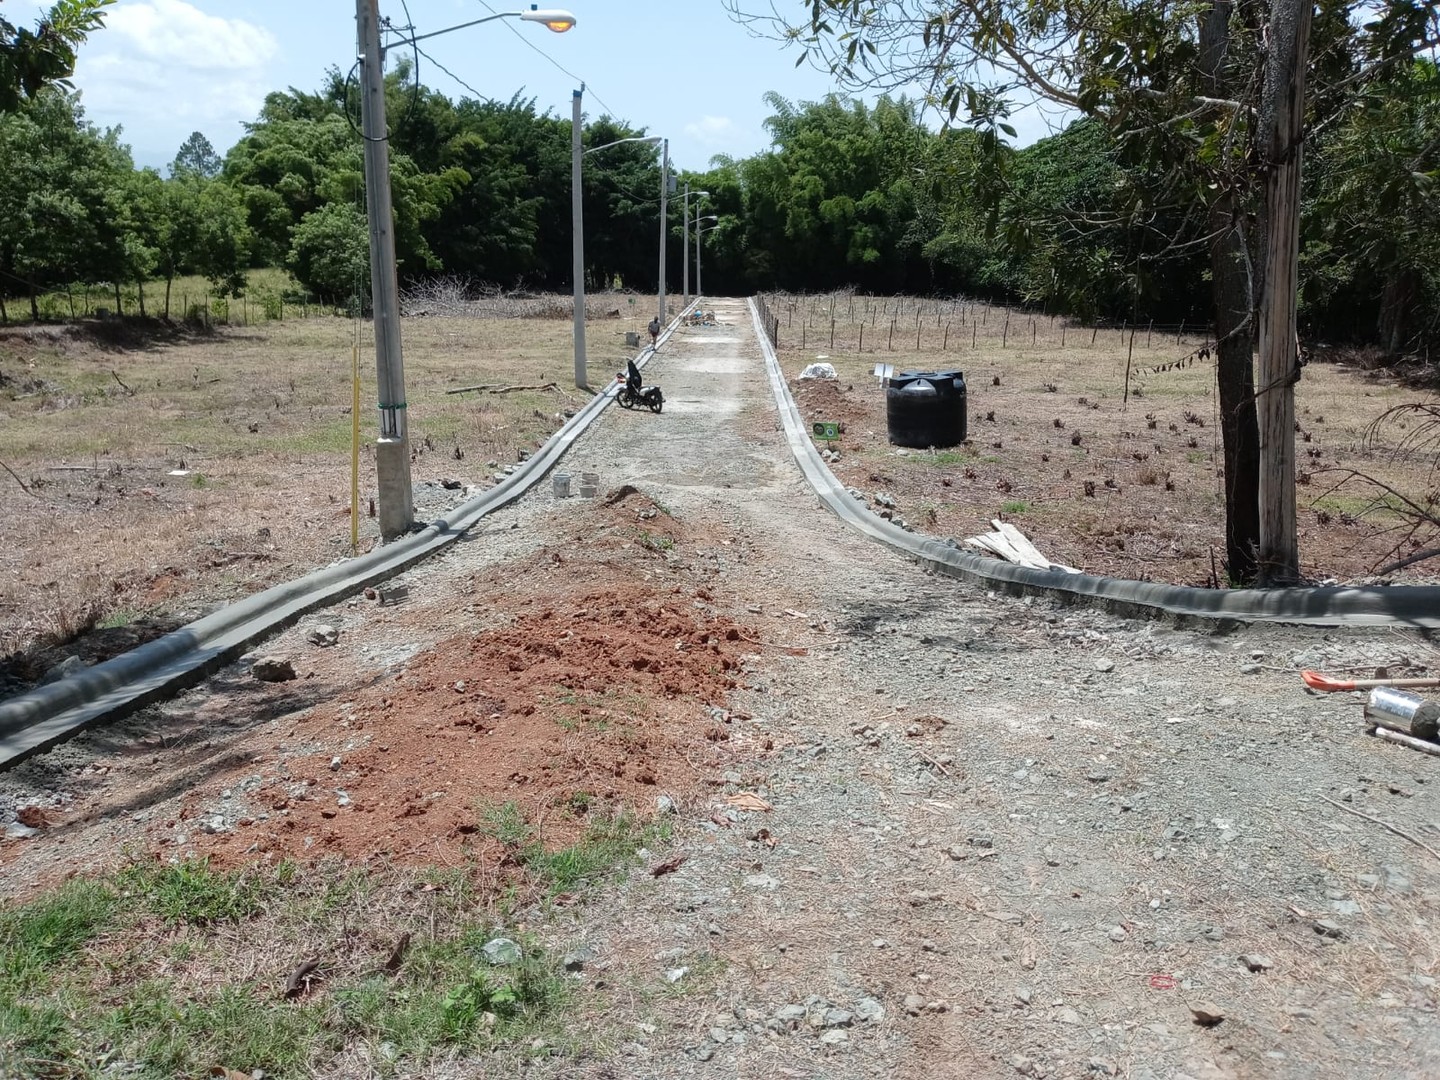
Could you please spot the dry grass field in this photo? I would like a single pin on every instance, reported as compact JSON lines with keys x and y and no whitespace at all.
{"x":153,"y":470}
{"x":1112,"y":481}
{"x":150,"y":471}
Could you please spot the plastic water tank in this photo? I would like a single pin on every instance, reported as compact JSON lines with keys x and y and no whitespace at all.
{"x":926,"y":408}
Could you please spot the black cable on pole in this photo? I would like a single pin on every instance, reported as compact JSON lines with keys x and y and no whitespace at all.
{"x":478,"y":95}
{"x":554,"y":63}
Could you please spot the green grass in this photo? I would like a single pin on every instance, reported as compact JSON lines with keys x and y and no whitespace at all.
{"x":269,"y":294}
{"x":162,"y":971}
{"x":190,"y":892}
{"x":39,"y":938}
{"x":941,"y":457}
{"x":119,"y":618}
{"x":607,"y":842}
{"x":656,"y":541}
{"x":1357,"y":504}
{"x":1018,"y":506}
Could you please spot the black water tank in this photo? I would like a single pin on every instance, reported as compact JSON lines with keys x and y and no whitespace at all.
{"x":926,"y":408}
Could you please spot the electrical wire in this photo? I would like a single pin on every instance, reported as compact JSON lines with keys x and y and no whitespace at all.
{"x":478,"y":95}
{"x":554,"y":63}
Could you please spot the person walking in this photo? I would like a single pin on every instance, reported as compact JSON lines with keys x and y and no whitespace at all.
{"x":654,"y":331}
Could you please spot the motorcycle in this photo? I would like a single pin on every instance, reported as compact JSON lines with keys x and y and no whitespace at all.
{"x":633,"y":393}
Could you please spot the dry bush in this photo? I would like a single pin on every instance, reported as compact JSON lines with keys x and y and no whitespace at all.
{"x":453,"y":296}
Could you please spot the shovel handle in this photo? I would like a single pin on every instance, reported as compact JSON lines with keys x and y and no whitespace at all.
{"x":1317,"y":681}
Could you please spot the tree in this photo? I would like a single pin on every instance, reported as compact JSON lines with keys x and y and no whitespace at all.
{"x":1372,"y":224}
{"x":196,"y":157}
{"x":1212,"y":96}
{"x":31,"y":59}
{"x":61,"y":219}
{"x":330,"y":253}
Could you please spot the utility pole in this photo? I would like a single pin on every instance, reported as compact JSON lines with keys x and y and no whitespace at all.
{"x":392,"y":449}
{"x":1282,"y":131}
{"x":577,"y":225}
{"x":664,"y":194}
{"x":699,"y":245}
{"x":685,"y":213}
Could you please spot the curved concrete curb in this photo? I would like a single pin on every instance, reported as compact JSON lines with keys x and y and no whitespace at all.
{"x":1417,"y":606}
{"x":36,"y":720}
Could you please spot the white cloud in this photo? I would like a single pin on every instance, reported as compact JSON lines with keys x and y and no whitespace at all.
{"x":714,"y":131}
{"x":164,"y":68}
{"x":178,"y":34}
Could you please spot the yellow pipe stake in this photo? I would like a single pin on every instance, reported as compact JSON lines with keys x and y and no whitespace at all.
{"x":355,"y":448}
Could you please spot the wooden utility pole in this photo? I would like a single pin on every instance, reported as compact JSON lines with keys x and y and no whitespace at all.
{"x":1282,"y":118}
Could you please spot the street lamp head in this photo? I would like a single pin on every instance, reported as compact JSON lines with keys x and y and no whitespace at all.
{"x":555,"y":18}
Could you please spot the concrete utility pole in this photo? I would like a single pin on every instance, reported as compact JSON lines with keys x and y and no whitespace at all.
{"x":392,"y":449}
{"x":699,"y":242}
{"x":686,"y":215}
{"x":664,"y":194}
{"x":577,"y":225}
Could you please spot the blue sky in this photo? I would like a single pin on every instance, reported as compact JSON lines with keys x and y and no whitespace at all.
{"x":678,"y":68}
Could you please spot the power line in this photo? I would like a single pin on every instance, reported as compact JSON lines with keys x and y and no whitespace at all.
{"x":478,"y":95}
{"x":558,"y":66}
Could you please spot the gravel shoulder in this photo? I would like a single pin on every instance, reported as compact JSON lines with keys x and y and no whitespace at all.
{"x":1003,"y":837}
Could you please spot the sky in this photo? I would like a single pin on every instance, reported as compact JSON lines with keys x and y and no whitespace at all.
{"x":681,"y":69}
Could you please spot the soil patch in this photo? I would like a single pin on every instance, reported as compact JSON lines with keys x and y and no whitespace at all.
{"x":587,"y":678}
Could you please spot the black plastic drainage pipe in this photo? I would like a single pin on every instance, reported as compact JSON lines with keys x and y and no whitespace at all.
{"x":36,"y":720}
{"x":1343,"y":605}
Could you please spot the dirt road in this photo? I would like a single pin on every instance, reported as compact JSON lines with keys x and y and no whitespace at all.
{"x":1003,"y":838}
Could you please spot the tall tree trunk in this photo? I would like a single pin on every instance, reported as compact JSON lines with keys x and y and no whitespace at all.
{"x":169,"y":279}
{"x":1233,"y":299}
{"x":4,"y":315}
{"x":1282,"y":121}
{"x":1395,"y":301}
{"x":140,"y":285}
{"x":1235,"y":362}
{"x":34,"y":304}
{"x":118,"y":310}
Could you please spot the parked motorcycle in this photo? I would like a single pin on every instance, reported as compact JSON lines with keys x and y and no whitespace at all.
{"x":633,"y":393}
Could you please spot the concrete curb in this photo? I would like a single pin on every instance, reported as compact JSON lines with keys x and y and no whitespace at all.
{"x":38,"y":719}
{"x":1416,"y":606}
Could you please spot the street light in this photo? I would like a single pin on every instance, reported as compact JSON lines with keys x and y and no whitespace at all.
{"x":392,"y":450}
{"x":699,"y":230}
{"x":577,"y":228}
{"x":556,"y":19}
{"x":686,"y":216}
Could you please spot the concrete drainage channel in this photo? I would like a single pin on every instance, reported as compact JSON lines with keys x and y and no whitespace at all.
{"x":1417,"y":606}
{"x":161,"y":668}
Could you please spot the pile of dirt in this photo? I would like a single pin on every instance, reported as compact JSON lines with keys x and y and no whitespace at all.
{"x":584,"y":684}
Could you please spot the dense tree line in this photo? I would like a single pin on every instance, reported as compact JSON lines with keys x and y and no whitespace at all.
{"x":849,"y":194}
